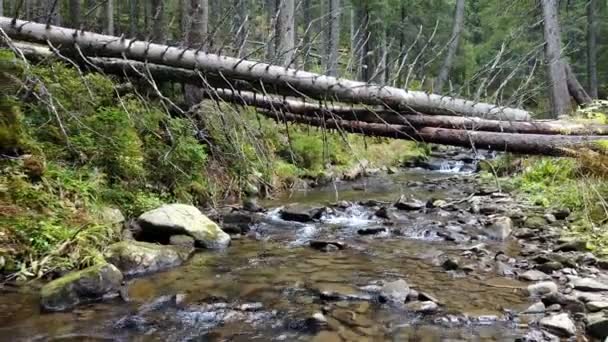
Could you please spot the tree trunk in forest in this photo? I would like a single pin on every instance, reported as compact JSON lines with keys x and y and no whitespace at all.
{"x":274,"y":77}
{"x":308,"y":26}
{"x":360,"y":40}
{"x":551,"y":145}
{"x":575,"y":88}
{"x":285,"y":32}
{"x":158,"y":21}
{"x":333,"y":37}
{"x":240,"y":26}
{"x":1,"y":8}
{"x":197,"y":37}
{"x":560,"y":98}
{"x":74,"y":10}
{"x":109,"y":17}
{"x":133,"y":17}
{"x":592,"y":28}
{"x":444,"y":72}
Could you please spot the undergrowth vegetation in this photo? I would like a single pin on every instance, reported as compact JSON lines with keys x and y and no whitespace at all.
{"x":74,"y":145}
{"x":578,"y":183}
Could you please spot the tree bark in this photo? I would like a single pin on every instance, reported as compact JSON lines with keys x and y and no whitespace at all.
{"x":306,"y":83}
{"x":240,"y":26}
{"x":575,"y":88}
{"x":333,"y":37}
{"x":109,"y":17}
{"x":308,"y":30}
{"x":444,"y":72}
{"x":592,"y":28}
{"x":560,"y":98}
{"x":158,"y":21}
{"x":74,"y":10}
{"x":133,"y":17}
{"x":285,"y":32}
{"x":197,"y":37}
{"x":550,"y":145}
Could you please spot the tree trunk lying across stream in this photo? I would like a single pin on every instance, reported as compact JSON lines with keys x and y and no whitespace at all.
{"x":306,"y":83}
{"x":550,"y":145}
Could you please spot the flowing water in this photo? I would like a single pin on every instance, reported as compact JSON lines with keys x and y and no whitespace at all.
{"x":266,"y":286}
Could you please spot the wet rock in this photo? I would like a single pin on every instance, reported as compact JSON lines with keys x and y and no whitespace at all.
{"x":559,"y":324}
{"x":136,"y":257}
{"x":588,"y":284}
{"x":537,"y":336}
{"x":300,"y":213}
{"x":251,"y":204}
{"x":384,"y":213}
{"x":425,"y":296}
{"x":90,"y":284}
{"x":112,"y":215}
{"x":351,"y":318}
{"x":371,"y":231}
{"x":597,"y":306}
{"x":175,"y":219}
{"x":572,"y":246}
{"x":554,"y":308}
{"x":542,"y":288}
{"x":450,"y":264}
{"x":489,"y":209}
{"x":534,"y":275}
{"x":426,"y":307}
{"x":499,"y":229}
{"x":327,"y":246}
{"x":535,"y":308}
{"x":182,"y":241}
{"x":336,"y":292}
{"x":395,"y":291}
{"x":414,"y":204}
{"x":597,"y":324}
{"x":561,"y":214}
{"x":486,"y":190}
{"x":504,"y":269}
{"x":550,"y":266}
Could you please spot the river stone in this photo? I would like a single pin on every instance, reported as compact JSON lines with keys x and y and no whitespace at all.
{"x":572,"y":246}
{"x":535,"y":308}
{"x":500,"y":228}
{"x":414,"y":204}
{"x":568,"y":302}
{"x":597,"y":324}
{"x":327,"y":246}
{"x":182,"y":241}
{"x":395,"y":291}
{"x":175,"y":219}
{"x":371,"y":231}
{"x":597,"y":306}
{"x":136,"y":257}
{"x":90,"y":284}
{"x":535,"y":222}
{"x":550,"y":266}
{"x":561,"y":214}
{"x":542,"y":288}
{"x":559,"y":324}
{"x":425,"y":307}
{"x":300,"y":213}
{"x":550,"y":218}
{"x":534,"y":275}
{"x":112,"y":215}
{"x":588,"y":284}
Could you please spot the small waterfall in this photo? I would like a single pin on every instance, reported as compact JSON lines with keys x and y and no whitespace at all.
{"x":451,"y":166}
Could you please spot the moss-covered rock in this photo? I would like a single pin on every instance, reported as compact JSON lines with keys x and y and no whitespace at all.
{"x":176,"y":219}
{"x":136,"y":257}
{"x":90,"y":284}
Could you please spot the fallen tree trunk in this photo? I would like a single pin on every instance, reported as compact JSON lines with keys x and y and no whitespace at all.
{"x":575,"y":88}
{"x":551,"y":145}
{"x":383,"y":116}
{"x":306,"y":83}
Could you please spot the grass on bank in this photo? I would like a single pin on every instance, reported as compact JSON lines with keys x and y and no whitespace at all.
{"x":73,"y":145}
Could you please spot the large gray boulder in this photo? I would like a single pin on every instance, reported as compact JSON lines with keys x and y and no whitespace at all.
{"x":91,"y":284}
{"x":176,"y":219}
{"x":559,"y":324}
{"x":597,"y":324}
{"x":500,"y":228}
{"x":136,"y":257}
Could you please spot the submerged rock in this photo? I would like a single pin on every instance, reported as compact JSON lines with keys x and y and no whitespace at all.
{"x":90,"y":284}
{"x":136,"y":257}
{"x":175,"y":219}
{"x":300,"y":213}
{"x":425,"y":307}
{"x":327,"y":246}
{"x":371,"y":231}
{"x":414,"y":204}
{"x":559,"y":324}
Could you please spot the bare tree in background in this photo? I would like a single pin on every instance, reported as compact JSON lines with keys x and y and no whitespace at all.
{"x":333,"y":37}
{"x":197,"y":37}
{"x":158,"y":21}
{"x":285,"y":32}
{"x":109,"y":17}
{"x":592,"y":28}
{"x":444,"y":72}
{"x":1,"y":7}
{"x":240,"y":26}
{"x":74,"y":10}
{"x":560,"y":97}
